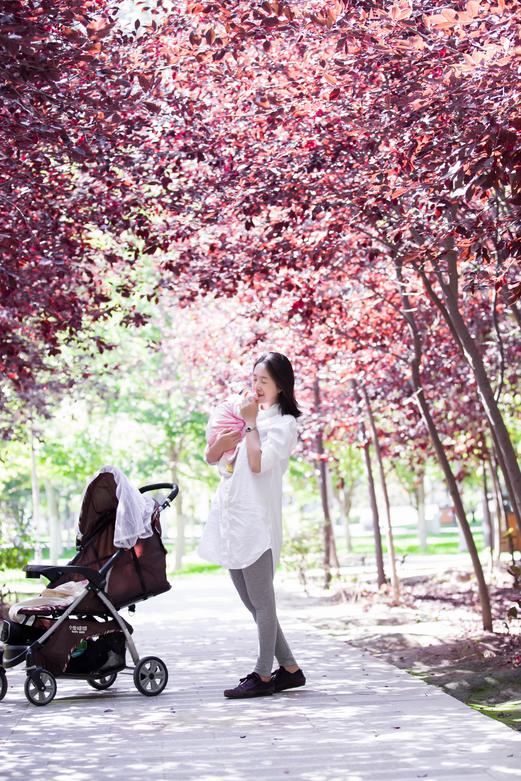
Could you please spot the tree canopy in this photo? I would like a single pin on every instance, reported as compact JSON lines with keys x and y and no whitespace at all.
{"x":344,"y":177}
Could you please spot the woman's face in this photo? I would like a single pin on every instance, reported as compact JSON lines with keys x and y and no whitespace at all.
{"x":264,"y":387}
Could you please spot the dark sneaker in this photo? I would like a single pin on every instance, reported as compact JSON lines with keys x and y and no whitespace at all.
{"x":282,"y":679}
{"x":251,"y":686}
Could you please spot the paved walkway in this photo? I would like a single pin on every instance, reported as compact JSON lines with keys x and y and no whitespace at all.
{"x":358,"y":719}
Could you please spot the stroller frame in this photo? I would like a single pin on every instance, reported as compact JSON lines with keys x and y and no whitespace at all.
{"x":150,"y":673}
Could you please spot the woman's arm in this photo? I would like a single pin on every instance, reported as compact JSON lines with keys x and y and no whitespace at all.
{"x":249,"y":412}
{"x":253,"y":449}
{"x":228,"y":440}
{"x":280,"y":443}
{"x":212,"y":454}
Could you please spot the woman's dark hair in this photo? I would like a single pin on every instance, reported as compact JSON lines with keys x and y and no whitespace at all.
{"x":281,"y":372}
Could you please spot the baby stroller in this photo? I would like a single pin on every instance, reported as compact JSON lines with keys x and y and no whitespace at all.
{"x":84,"y":636}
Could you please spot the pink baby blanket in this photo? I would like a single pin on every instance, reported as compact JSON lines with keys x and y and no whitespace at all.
{"x":226,"y":417}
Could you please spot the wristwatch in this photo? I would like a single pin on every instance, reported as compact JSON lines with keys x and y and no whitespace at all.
{"x":250,"y":428}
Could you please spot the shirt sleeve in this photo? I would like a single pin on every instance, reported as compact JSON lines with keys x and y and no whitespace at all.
{"x":280,"y":442}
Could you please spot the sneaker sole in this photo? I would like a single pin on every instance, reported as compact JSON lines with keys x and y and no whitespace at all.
{"x":291,"y":686}
{"x":231,"y":696}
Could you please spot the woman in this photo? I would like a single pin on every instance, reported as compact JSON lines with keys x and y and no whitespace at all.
{"x":244,"y":528}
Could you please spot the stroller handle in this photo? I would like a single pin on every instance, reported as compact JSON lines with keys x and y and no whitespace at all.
{"x":157,"y":486}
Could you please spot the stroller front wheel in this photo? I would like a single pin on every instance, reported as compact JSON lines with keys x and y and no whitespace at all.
{"x":105,"y":682}
{"x":150,"y":676}
{"x":40,"y":687}
{"x":3,"y":683}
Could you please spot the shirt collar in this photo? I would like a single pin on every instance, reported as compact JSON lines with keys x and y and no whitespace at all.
{"x":270,"y":412}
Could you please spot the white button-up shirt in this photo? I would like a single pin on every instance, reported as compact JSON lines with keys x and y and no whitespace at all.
{"x":245,"y":518}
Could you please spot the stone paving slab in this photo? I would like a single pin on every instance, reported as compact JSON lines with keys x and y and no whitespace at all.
{"x":358,"y":718}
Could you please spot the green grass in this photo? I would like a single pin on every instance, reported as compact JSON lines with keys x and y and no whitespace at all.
{"x":408,"y":544}
{"x":508,"y":713}
{"x":445,"y":542}
{"x":193,"y":569}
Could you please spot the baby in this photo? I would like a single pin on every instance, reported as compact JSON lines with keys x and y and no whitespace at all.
{"x":226,"y":417}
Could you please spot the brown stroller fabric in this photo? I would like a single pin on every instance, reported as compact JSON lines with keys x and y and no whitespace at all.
{"x":138,"y":573}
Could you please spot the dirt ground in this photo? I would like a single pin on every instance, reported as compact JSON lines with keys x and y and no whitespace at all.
{"x":435,"y":632}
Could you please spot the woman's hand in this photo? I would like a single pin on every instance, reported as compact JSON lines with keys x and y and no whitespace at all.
{"x":250,"y":409}
{"x":228,"y":440}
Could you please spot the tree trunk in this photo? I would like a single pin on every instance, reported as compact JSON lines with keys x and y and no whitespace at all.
{"x":68,"y":523}
{"x":179,"y":514}
{"x":347,"y":503}
{"x":345,"y":500}
{"x":441,"y":455}
{"x":37,"y":523}
{"x":330,"y":555}
{"x":55,"y":531}
{"x":420,"y":508}
{"x":501,"y":516}
{"x":380,"y":572}
{"x":488,"y":529}
{"x":500,"y":466}
{"x":513,"y":308}
{"x":381,"y":577}
{"x":387,"y":506}
{"x":327,"y":525}
{"x":330,"y":494}
{"x":509,"y":463}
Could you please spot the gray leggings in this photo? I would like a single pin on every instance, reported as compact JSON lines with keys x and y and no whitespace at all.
{"x":255,"y":587}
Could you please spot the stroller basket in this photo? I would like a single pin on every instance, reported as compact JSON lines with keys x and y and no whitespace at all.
{"x":104,"y":654}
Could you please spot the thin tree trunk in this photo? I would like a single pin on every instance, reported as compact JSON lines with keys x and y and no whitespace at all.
{"x":54,"y":524}
{"x":380,"y":572}
{"x":420,"y":507}
{"x":441,"y":455}
{"x":345,"y":499}
{"x":68,"y":524}
{"x":487,"y":519}
{"x":327,"y":525}
{"x":377,"y":534}
{"x":334,"y":555}
{"x":508,"y":460}
{"x":501,"y":515}
{"x":330,"y":555}
{"x":395,"y":583}
{"x":347,"y":504}
{"x":500,"y":466}
{"x":37,"y":522}
{"x":179,"y":514}
{"x":513,"y":308}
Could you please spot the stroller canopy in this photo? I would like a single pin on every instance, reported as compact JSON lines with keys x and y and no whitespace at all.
{"x":116,"y":515}
{"x":110,"y":495}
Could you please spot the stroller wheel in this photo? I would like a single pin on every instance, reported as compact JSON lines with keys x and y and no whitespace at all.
{"x":3,"y":683}
{"x":43,"y":695}
{"x":105,"y":682}
{"x":150,"y":676}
